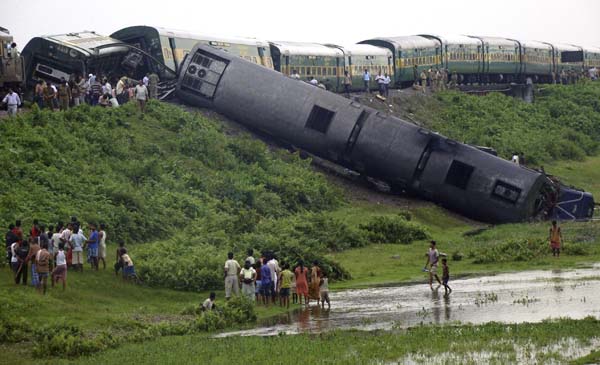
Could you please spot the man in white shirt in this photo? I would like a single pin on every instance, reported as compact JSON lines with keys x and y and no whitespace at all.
{"x":107,"y":87}
{"x":275,"y":270}
{"x":314,"y":81}
{"x":367,"y":80}
{"x":13,"y":101}
{"x":141,"y":95}
{"x":295,"y":75}
{"x":146,"y":80}
{"x":77,"y":240}
{"x":231,"y":270}
{"x":386,"y":84}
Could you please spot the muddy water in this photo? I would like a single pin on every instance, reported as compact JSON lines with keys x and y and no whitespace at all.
{"x":530,"y":296}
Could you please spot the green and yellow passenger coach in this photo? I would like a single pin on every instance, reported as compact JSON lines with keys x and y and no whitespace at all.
{"x":407,"y":52}
{"x":591,"y":57}
{"x":537,"y":60}
{"x":309,"y":60}
{"x":568,"y":57}
{"x":361,"y":57}
{"x":460,"y":54}
{"x":171,"y":46}
{"x":501,"y":59}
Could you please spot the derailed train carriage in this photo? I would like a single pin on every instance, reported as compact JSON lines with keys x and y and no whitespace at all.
{"x":458,"y":176}
{"x":57,"y":57}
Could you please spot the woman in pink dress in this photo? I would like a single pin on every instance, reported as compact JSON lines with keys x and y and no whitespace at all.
{"x":301,"y":274}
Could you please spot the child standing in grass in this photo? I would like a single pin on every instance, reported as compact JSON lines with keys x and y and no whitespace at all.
{"x":60,"y":272}
{"x":324,"y":291}
{"x":446,"y":276}
{"x":285,"y":278}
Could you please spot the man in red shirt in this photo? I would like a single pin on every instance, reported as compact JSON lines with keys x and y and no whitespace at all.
{"x":18,"y":231}
{"x":35,"y":230}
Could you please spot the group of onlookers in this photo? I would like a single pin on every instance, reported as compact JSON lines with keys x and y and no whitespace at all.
{"x":52,"y":251}
{"x":267,"y":281}
{"x":95,"y":90}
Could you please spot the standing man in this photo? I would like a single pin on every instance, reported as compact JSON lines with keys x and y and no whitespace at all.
{"x":250,"y":257}
{"x":77,"y":242}
{"x":146,"y":80}
{"x":432,"y":261}
{"x":423,"y":81}
{"x":248,"y":279}
{"x":347,"y":83}
{"x":153,"y":81}
{"x":95,"y":91}
{"x":415,"y":75}
{"x":379,"y":80}
{"x":13,"y":101}
{"x":555,"y":239}
{"x":295,"y":75}
{"x":48,"y":94}
{"x":64,"y":95}
{"x":141,"y":95}
{"x":231,"y":271}
{"x":454,"y":80}
{"x":367,"y":80}
{"x":386,"y":84}
{"x":92,"y":246}
{"x":273,"y":265}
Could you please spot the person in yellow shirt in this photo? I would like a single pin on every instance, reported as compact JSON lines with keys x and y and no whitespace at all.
{"x":555,"y":239}
{"x":285,"y":283}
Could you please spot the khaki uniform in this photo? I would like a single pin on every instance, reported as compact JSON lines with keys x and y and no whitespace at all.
{"x":423,"y":81}
{"x":153,"y":85}
{"x":48,"y":97}
{"x":64,"y":96}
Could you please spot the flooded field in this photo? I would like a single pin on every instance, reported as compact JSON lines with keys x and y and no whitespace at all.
{"x":530,"y":296}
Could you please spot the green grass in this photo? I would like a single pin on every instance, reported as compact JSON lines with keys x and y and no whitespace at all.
{"x":457,"y":344}
{"x":582,"y":174}
{"x":592,"y":358}
{"x":394,"y":263}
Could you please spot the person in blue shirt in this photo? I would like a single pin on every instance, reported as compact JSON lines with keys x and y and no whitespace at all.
{"x":92,"y":246}
{"x":367,"y":80}
{"x":265,"y":283}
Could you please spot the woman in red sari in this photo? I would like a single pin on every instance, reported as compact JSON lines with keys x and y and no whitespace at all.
{"x":301,"y":274}
{"x":315,"y":282}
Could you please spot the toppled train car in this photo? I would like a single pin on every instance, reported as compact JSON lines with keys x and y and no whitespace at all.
{"x":458,"y":176}
{"x":52,"y":58}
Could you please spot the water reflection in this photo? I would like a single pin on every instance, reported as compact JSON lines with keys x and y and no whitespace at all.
{"x":526,"y":296}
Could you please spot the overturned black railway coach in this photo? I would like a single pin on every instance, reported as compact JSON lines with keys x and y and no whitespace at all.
{"x":458,"y":176}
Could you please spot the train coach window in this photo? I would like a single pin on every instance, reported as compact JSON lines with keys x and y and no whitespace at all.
{"x":319,"y":119}
{"x":506,"y":191}
{"x":459,"y":174}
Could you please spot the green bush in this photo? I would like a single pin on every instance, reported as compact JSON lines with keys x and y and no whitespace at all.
{"x":393,"y":229}
{"x":576,"y":249}
{"x":513,"y":250}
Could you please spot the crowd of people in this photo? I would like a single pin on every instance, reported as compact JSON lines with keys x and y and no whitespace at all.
{"x":93,"y":90}
{"x":53,"y":250}
{"x":269,"y":282}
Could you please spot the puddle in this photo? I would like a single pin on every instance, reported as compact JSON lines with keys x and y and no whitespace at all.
{"x":529,"y":296}
{"x":564,"y":350}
